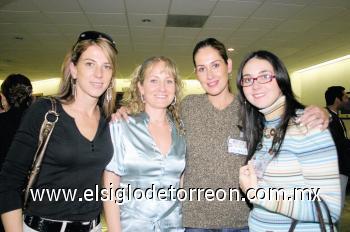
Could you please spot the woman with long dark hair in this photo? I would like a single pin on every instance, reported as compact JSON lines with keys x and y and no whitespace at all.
{"x":282,"y":153}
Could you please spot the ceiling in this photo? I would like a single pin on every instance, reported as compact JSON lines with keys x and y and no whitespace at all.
{"x":36,"y":34}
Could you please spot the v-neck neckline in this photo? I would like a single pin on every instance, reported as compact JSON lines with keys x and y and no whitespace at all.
{"x":154,"y":144}
{"x":77,"y":128}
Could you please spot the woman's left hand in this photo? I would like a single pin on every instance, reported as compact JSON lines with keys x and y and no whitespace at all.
{"x":315,"y":116}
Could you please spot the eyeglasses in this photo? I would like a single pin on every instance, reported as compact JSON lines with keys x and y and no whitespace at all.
{"x":94,"y":35}
{"x":261,"y":79}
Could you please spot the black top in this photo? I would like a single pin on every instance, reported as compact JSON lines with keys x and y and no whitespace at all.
{"x":9,"y":122}
{"x":342,"y":143}
{"x":71,"y":162}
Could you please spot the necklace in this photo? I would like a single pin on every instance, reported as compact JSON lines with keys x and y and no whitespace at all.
{"x":269,"y":132}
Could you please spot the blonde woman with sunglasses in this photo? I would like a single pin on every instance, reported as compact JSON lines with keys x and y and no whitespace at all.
{"x":78,"y":150}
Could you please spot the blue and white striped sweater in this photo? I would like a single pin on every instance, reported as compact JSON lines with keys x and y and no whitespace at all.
{"x":307,"y":159}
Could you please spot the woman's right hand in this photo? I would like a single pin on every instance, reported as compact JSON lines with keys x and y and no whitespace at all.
{"x":122,"y":113}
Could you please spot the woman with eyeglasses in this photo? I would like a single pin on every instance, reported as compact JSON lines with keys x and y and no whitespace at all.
{"x":282,"y":153}
{"x":65,"y":195}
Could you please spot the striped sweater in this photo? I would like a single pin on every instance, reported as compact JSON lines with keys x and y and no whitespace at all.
{"x":307,"y":159}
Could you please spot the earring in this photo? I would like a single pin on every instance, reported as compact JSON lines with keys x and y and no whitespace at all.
{"x":109,"y":92}
{"x":142,"y":98}
{"x":174,"y":101}
{"x":74,"y":88}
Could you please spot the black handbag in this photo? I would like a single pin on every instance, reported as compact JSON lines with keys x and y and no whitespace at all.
{"x":319,"y":216}
{"x":51,"y":117}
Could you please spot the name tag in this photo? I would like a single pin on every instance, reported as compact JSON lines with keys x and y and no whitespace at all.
{"x":237,"y":146}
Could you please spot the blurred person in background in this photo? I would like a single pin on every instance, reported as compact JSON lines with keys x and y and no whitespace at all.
{"x":336,"y":98}
{"x":16,"y":97}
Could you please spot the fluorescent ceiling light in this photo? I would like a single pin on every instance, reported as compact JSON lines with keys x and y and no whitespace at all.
{"x":324,"y":64}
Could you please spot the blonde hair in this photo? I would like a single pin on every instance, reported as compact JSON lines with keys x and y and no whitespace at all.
{"x":65,"y":93}
{"x":132,"y":98}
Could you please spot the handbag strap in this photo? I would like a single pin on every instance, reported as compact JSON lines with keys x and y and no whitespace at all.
{"x":319,"y":216}
{"x":50,"y":119}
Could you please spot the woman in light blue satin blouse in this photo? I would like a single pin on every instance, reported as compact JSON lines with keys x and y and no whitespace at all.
{"x":149,"y":154}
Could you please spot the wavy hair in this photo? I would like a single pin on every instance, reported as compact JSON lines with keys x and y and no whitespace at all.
{"x":132,"y":98}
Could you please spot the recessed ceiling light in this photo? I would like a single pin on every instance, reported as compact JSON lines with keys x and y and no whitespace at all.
{"x":230,"y":49}
{"x":146,"y":20}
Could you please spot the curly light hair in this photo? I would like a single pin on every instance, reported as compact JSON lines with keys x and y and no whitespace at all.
{"x":132,"y":98}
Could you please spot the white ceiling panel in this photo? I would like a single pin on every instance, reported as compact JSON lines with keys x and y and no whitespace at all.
{"x":329,"y":27}
{"x":58,"y":6}
{"x":296,"y":25}
{"x":20,"y":17}
{"x":147,"y":7}
{"x":192,"y":7}
{"x":107,"y":19}
{"x":224,"y":22}
{"x":6,"y":28}
{"x":18,"y":5}
{"x":261,"y":24}
{"x":110,"y":29}
{"x":178,"y":49}
{"x":186,"y":32}
{"x":146,"y":31}
{"x":331,"y":3}
{"x":302,"y":31}
{"x":157,"y":20}
{"x":285,"y":51}
{"x":220,"y":34}
{"x":289,"y":2}
{"x":103,"y":6}
{"x":155,"y":39}
{"x":148,"y":47}
{"x":277,"y":10}
{"x":35,"y":28}
{"x":72,"y":31}
{"x":235,"y":8}
{"x":319,"y":13}
{"x":269,"y":42}
{"x":68,"y":18}
{"x":178,"y":40}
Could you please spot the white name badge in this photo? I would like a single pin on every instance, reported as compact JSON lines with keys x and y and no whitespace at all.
{"x":237,"y":146}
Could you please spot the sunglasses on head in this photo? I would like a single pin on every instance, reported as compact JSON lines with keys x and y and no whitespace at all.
{"x":94,"y":35}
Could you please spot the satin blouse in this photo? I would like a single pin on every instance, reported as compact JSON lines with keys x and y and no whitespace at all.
{"x":144,"y":172}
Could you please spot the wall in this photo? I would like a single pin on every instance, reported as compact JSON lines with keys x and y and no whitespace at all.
{"x":310,"y":85}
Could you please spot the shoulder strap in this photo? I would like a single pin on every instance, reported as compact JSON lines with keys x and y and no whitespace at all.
{"x":319,"y":216}
{"x":51,"y":117}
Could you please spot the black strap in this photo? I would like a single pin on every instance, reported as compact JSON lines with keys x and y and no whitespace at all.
{"x":319,"y":216}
